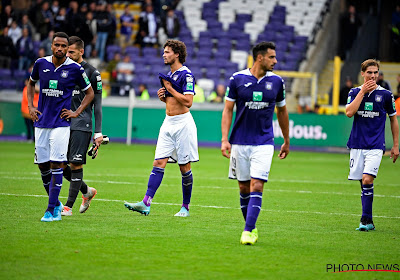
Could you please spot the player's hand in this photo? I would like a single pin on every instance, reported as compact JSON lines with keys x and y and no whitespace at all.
{"x":284,"y":151}
{"x":98,"y":141}
{"x":368,"y":86}
{"x":33,"y":112}
{"x":226,"y":148}
{"x":394,"y":153}
{"x":68,"y":114}
{"x":161,"y":93}
{"x":167,"y":85}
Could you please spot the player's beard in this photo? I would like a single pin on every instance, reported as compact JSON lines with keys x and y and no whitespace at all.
{"x":59,"y":55}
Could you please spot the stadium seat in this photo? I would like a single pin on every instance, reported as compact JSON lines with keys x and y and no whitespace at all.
{"x":239,"y":57}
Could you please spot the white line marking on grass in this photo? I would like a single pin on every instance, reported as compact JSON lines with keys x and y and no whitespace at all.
{"x":209,"y":187}
{"x":343,"y":181}
{"x":213,"y":206}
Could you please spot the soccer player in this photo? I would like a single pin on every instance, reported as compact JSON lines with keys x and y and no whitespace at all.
{"x":58,"y":76}
{"x":369,"y":104}
{"x":178,"y":134}
{"x":256,"y":92}
{"x":81,"y":131}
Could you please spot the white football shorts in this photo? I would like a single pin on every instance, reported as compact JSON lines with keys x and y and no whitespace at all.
{"x":178,"y":139}
{"x":51,"y":144}
{"x":248,"y":162}
{"x":364,"y":162}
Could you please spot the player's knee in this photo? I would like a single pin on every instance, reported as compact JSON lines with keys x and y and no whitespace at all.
{"x":160,"y":163}
{"x":367,"y":179}
{"x":76,"y":166}
{"x":44,"y":166}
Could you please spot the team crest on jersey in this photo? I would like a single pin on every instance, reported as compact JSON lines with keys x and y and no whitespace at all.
{"x":64,"y":74}
{"x":268,"y":85}
{"x":257,"y":96}
{"x":378,"y":98}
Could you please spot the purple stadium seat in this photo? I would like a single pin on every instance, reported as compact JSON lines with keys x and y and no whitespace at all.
{"x":5,"y":74}
{"x":113,"y":48}
{"x":147,"y":52}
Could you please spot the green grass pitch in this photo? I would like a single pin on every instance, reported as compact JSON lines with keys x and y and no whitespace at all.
{"x":308,"y":220}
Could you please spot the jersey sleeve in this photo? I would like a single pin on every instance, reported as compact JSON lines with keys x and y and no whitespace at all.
{"x":83,"y":80}
{"x":188,"y":84}
{"x":35,"y":71}
{"x":390,"y":105}
{"x":352,"y":95}
{"x":96,"y":82}
{"x":231,"y":92}
{"x":280,"y":97}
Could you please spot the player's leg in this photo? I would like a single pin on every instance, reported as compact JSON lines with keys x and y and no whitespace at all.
{"x":372,"y":160}
{"x":164,"y":149}
{"x":78,"y":144}
{"x":187,"y":152}
{"x":187,"y":185}
{"x":155,"y":179}
{"x":260,"y":158}
{"x":59,"y":138}
{"x":244,"y":189}
{"x":239,"y":168}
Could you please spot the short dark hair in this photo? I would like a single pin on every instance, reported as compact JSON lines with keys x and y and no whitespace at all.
{"x":75,"y":40}
{"x":368,"y":63}
{"x":178,"y":47}
{"x":61,"y":35}
{"x":262,"y":48}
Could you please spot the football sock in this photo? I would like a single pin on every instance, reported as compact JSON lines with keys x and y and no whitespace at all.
{"x":55,"y":187}
{"x":367,"y":197}
{"x":244,"y":202}
{"x":84,"y":188}
{"x":46,"y":178}
{"x":67,"y":175}
{"x":75,"y":185}
{"x":187,"y":184}
{"x":253,"y":210}
{"x":155,"y":179}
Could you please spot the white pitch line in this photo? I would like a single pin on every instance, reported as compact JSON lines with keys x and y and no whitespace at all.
{"x":343,"y":181}
{"x":211,"y":187}
{"x":214,"y":206}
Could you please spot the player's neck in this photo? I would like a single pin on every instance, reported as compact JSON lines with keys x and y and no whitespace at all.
{"x":257,"y":71}
{"x":58,"y":61}
{"x":175,"y":66}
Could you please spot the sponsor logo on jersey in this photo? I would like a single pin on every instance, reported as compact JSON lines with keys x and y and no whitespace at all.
{"x":99,"y":85}
{"x":227,"y":91}
{"x":53,"y":84}
{"x":248,"y":84}
{"x":85,"y":77}
{"x":46,"y":70}
{"x":348,"y":99}
{"x":75,"y":92}
{"x":98,"y":77}
{"x":189,"y":79}
{"x":64,"y":73}
{"x":268,"y":85}
{"x":175,"y":77}
{"x":369,"y":106}
{"x":256,"y":105}
{"x":189,"y":86}
{"x":378,"y":98}
{"x":394,"y":106}
{"x":257,"y":96}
